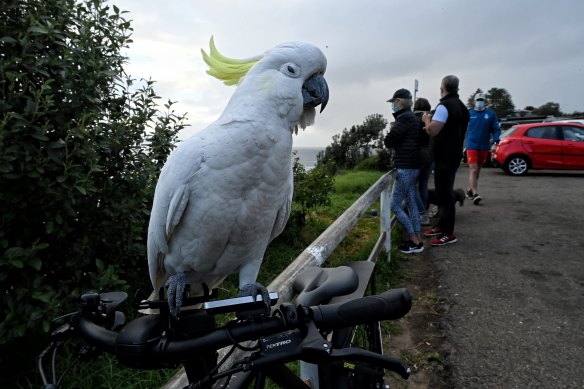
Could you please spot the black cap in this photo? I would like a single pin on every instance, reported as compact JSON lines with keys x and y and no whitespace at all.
{"x":400,"y":94}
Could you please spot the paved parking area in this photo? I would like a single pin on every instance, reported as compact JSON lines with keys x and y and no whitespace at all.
{"x":514,"y":283}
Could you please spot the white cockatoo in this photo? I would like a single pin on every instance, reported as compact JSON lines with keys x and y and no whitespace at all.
{"x":226,"y":192}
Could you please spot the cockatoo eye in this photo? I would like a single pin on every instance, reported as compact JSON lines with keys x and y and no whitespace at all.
{"x":290,"y":69}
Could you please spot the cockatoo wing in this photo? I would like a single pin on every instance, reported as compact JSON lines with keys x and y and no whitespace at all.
{"x":170,"y":201}
{"x":284,"y":211}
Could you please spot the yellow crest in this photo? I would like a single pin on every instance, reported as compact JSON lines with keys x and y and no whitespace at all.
{"x":228,"y":70}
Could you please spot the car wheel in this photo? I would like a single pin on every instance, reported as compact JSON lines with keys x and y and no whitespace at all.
{"x":517,"y":165}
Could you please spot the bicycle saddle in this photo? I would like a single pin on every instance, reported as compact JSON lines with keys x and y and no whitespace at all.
{"x":317,"y":285}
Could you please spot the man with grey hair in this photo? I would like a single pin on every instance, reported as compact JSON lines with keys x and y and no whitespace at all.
{"x":447,"y":127}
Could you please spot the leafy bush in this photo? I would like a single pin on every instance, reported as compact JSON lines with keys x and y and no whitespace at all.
{"x":311,"y":189}
{"x":371,"y":163}
{"x":354,"y":145}
{"x":80,"y":149}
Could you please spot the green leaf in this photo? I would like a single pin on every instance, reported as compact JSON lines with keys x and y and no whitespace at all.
{"x":20,"y":331}
{"x":44,"y":297}
{"x":49,"y":227}
{"x":39,"y":29}
{"x":5,"y":168}
{"x":35,"y":315}
{"x":8,"y":39}
{"x":14,"y":252}
{"x":35,"y":263}
{"x":39,"y":136}
{"x":56,"y":145}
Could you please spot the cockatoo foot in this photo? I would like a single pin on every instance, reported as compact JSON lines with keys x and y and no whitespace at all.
{"x":253,"y":290}
{"x":176,"y":287}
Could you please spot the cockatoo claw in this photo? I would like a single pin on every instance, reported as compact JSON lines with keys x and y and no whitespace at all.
{"x":253,"y":290}
{"x":176,"y":287}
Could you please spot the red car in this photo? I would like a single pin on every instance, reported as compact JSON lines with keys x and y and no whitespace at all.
{"x":555,"y":145}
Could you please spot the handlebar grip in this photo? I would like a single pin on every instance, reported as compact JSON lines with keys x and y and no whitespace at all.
{"x":96,"y":335}
{"x":390,"y":305}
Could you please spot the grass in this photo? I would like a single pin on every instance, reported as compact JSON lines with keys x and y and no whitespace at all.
{"x":105,"y":372}
{"x":423,"y":360}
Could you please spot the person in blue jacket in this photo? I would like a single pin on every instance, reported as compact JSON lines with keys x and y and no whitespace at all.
{"x":482,"y":125}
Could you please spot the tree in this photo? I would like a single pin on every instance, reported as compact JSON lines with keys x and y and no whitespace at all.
{"x":500,"y":101}
{"x":355,"y":144}
{"x":81,"y":145}
{"x":550,"y":109}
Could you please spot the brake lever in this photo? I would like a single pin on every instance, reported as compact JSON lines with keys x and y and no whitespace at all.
{"x":387,"y":362}
{"x":62,"y":333}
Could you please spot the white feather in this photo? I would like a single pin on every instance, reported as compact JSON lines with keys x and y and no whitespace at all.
{"x":226,"y":192}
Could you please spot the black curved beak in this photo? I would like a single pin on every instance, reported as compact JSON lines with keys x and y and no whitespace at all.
{"x":315,"y":92}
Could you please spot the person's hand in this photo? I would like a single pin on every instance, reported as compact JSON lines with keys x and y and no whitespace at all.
{"x":427,"y":118}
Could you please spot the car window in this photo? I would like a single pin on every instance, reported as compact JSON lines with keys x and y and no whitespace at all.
{"x":542,"y":132}
{"x":575,"y":134}
{"x":509,"y":131}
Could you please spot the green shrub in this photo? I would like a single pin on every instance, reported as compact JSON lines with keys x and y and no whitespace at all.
{"x":80,"y":149}
{"x":371,"y":163}
{"x":311,"y":189}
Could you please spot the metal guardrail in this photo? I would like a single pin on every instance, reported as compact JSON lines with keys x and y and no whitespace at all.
{"x":319,"y":250}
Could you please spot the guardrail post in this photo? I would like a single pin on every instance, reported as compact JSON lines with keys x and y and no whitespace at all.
{"x":385,"y":217}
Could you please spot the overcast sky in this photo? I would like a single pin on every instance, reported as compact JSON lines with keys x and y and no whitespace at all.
{"x":531,"y":48}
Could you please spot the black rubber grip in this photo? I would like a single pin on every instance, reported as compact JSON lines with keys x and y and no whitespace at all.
{"x":390,"y":305}
{"x":96,"y":335}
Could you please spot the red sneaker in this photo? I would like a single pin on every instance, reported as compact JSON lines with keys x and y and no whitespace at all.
{"x":434,"y":231}
{"x":444,"y":240}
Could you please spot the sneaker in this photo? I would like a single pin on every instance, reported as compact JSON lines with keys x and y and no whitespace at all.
{"x":444,"y":239}
{"x":476,"y":199}
{"x":434,"y":231}
{"x":424,"y":219}
{"x":410,"y":247}
{"x":469,"y":194}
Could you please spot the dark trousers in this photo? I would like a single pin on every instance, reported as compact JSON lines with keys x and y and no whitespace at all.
{"x":444,"y":175}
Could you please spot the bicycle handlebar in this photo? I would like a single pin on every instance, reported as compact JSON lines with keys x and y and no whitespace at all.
{"x":145,"y":343}
{"x":390,"y":305}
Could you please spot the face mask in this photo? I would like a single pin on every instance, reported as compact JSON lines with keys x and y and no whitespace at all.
{"x":479,"y":105}
{"x":394,"y":108}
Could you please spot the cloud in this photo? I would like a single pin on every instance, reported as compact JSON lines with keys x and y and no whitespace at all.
{"x":373,"y":47}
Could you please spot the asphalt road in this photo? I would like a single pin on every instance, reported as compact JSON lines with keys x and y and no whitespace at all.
{"x":514,"y":283}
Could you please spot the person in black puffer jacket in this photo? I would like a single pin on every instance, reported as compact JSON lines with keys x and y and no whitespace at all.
{"x":422,"y":105}
{"x":404,"y":138}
